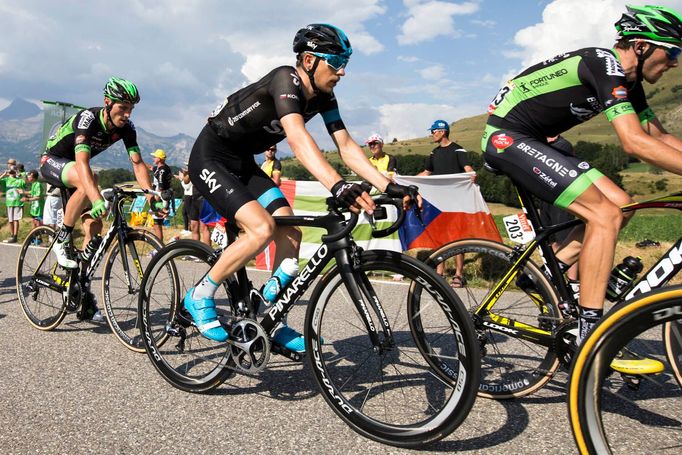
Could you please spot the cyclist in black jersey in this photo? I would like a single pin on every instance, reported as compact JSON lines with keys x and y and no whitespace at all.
{"x":223,"y":168}
{"x":549,"y":98}
{"x":66,"y":160}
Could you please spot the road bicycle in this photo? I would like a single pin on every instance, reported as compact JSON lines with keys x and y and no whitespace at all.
{"x":396,"y":360}
{"x":524,"y":317}
{"x":605,"y":415}
{"x":48,"y":292}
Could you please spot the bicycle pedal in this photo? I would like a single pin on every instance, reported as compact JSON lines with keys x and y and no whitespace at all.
{"x":292,"y":355}
{"x":632,"y":381}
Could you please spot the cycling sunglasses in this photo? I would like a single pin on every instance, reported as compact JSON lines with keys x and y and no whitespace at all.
{"x":335,"y":62}
{"x":672,"y":53}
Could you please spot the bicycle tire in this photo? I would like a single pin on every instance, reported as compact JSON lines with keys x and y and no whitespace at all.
{"x":198,"y":364}
{"x":598,"y":403}
{"x":43,"y":307}
{"x":510,"y":366}
{"x":672,"y":340}
{"x":430,"y":326}
{"x":120,"y":290}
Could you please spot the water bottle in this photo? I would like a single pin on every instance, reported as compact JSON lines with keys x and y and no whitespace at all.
{"x":91,"y":247}
{"x":622,"y":277}
{"x":284,"y":275}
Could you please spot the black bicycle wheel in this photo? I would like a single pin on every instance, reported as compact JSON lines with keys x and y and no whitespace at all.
{"x":120,"y":289}
{"x":183,"y":356}
{"x":607,"y":415}
{"x":393,"y":394}
{"x":672,"y":340}
{"x":42,"y":306}
{"x":510,"y":366}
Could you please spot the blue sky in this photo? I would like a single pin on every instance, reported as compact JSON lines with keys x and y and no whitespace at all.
{"x":413,"y":61}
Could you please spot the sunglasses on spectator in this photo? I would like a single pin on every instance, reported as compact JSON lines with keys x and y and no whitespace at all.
{"x":374,"y":144}
{"x":335,"y":62}
{"x":437,"y":131}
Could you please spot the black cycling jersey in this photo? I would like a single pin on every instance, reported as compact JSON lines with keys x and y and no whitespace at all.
{"x":163,"y":177}
{"x":450,"y":159}
{"x":87,"y":132}
{"x":553,"y":96}
{"x":249,"y":119}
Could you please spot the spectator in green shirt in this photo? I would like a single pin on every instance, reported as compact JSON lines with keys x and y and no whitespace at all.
{"x":14,"y":188}
{"x":36,"y":198}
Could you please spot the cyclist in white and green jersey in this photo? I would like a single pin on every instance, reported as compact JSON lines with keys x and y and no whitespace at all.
{"x":549,"y":98}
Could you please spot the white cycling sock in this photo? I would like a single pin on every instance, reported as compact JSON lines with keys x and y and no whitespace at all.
{"x":205,"y":289}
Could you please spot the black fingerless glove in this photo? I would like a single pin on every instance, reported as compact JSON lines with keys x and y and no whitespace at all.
{"x":346,"y":193}
{"x":399,"y":191}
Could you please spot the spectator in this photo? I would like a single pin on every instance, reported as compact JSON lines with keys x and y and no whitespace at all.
{"x":14,"y":187}
{"x":183,"y":177}
{"x":162,"y":182}
{"x":385,"y":163}
{"x":53,"y":204}
{"x":448,"y":158}
{"x":272,"y":166}
{"x":21,"y":172}
{"x":36,"y":197}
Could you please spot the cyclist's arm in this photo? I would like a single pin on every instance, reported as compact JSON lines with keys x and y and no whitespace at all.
{"x":654,"y":128}
{"x":140,"y":171}
{"x":645,"y":146}
{"x":309,"y":154}
{"x":85,"y":176}
{"x":355,"y":158}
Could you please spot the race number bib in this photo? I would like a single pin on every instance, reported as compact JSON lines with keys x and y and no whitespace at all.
{"x":219,"y":236}
{"x":519,"y":229}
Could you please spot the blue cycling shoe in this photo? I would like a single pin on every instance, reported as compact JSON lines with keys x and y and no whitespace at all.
{"x":290,"y":339}
{"x":205,"y":316}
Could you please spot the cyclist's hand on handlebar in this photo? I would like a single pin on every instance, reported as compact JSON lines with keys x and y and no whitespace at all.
{"x":352,"y":196}
{"x":99,"y":209}
{"x":407,"y":193}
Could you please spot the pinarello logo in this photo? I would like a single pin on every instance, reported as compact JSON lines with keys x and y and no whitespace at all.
{"x":502,"y":141}
{"x":537,"y":171}
{"x":620,"y":92}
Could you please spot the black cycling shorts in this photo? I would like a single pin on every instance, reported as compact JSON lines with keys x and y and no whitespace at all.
{"x":228,"y":179}
{"x":53,"y":169}
{"x":546,"y":172}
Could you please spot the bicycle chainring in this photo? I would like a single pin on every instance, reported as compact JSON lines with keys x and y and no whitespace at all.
{"x":249,"y":346}
{"x":565,"y":342}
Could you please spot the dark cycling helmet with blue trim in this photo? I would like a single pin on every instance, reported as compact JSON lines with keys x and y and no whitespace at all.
{"x":121,"y":91}
{"x":325,"y":42}
{"x":654,"y":23}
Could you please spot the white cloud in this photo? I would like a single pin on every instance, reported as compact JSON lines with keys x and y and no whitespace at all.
{"x":431,"y":19}
{"x":572,"y":24}
{"x":432,"y":73}
{"x":407,"y":58}
{"x":410,"y":120}
{"x":485,"y":24}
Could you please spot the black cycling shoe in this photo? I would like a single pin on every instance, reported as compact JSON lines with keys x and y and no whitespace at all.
{"x":89,"y":310}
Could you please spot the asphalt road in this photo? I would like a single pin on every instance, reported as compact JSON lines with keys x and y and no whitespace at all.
{"x":77,"y":390}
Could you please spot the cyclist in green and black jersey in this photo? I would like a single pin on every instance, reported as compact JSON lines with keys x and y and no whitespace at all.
{"x":549,"y":98}
{"x":66,"y":161}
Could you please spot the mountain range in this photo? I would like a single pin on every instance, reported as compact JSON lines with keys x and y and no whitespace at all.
{"x":21,"y":132}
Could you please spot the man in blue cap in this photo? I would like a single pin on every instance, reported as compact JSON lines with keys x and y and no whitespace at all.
{"x":449,"y":157}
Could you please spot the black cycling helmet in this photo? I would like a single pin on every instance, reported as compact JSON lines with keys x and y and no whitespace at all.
{"x":322,"y":38}
{"x":652,"y":23}
{"x":326,"y":42}
{"x":121,"y":90}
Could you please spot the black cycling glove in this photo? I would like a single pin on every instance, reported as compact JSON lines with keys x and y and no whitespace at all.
{"x":346,"y":193}
{"x":397,"y":190}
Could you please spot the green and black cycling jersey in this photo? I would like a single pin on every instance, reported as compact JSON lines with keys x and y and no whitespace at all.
{"x":86,"y":131}
{"x":249,"y":119}
{"x":553,"y":96}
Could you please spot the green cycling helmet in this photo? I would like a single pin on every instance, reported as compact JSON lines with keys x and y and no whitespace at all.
{"x":654,"y":23}
{"x":121,"y":90}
